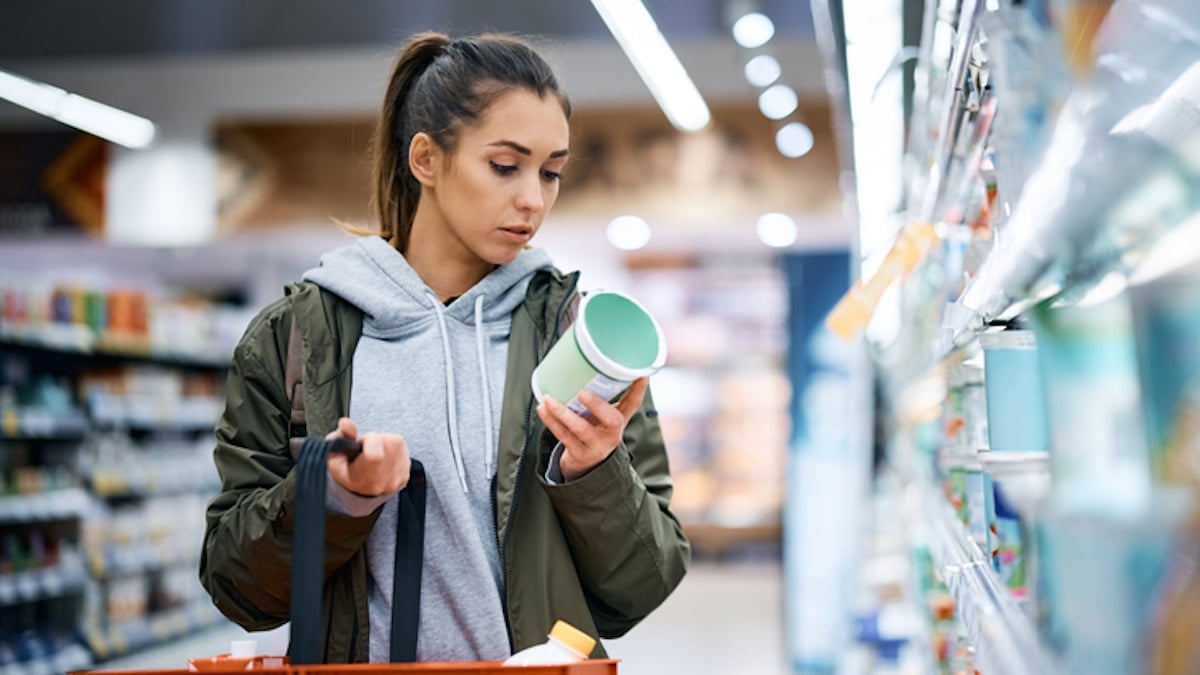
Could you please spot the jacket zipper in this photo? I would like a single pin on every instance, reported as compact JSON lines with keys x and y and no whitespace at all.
{"x":529,"y":436}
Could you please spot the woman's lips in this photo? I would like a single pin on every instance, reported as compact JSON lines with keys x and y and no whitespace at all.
{"x":517,"y":233}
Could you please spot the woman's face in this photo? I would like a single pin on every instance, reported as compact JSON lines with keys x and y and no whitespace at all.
{"x":499,"y":183}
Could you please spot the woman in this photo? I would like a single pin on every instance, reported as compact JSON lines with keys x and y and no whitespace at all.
{"x":411,"y":337}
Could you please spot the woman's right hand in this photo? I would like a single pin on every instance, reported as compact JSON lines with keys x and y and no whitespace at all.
{"x":382,"y":468}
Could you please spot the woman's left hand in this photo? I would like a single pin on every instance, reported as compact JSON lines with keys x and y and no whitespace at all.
{"x":587,"y":441}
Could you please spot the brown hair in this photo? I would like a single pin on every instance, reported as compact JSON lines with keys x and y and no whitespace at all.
{"x":438,"y":86}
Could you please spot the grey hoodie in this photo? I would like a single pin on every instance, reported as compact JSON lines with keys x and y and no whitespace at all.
{"x":435,"y":375}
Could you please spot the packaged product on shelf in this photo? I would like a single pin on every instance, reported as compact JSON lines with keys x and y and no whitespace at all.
{"x":1016,"y":409}
{"x":1029,"y":79}
{"x":1005,"y":536}
{"x":1099,"y":460}
{"x":976,"y":483}
{"x":1107,"y":146}
{"x":1106,"y":577}
{"x":1165,"y":294}
{"x":1165,"y":291}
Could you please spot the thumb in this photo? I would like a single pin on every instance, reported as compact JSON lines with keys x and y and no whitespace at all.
{"x":345,"y":428}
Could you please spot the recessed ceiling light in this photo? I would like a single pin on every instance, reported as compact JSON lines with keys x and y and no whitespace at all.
{"x":762,"y":70}
{"x":753,"y":30}
{"x":778,"y":101}
{"x":777,"y":230}
{"x":794,"y":139}
{"x":628,"y":233}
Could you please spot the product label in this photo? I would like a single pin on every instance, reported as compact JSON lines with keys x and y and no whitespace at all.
{"x":604,"y":387}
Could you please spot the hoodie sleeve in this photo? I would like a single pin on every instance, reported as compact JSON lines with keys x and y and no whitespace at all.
{"x":629,"y":548}
{"x":246,"y":561}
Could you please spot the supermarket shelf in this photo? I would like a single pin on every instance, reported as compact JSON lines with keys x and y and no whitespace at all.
{"x":107,"y":562}
{"x":76,"y":339}
{"x":55,"y":654}
{"x":193,"y":413}
{"x":23,"y":587}
{"x":1005,"y":640}
{"x":127,"y":637}
{"x":115,"y":483}
{"x":44,"y":506}
{"x":30,"y":423}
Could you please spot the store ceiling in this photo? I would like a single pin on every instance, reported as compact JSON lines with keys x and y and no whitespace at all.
{"x":73,"y":29}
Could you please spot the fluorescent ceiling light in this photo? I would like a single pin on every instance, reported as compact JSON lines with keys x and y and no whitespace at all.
{"x":82,"y":113}
{"x":753,"y":30}
{"x":647,"y":49}
{"x":777,"y":230}
{"x":794,"y":139}
{"x":762,"y":70}
{"x":628,"y":233}
{"x":778,"y":102}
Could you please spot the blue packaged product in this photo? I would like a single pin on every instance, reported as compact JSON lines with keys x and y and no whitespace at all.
{"x":1016,"y":407}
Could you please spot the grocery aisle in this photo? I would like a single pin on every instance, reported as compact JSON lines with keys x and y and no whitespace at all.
{"x":725,"y":619}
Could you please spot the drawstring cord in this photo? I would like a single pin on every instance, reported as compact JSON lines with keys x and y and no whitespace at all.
{"x":451,"y":404}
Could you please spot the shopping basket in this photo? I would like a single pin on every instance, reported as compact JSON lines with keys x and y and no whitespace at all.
{"x":308,"y":554}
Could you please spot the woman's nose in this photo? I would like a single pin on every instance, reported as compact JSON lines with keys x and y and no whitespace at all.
{"x":529,"y":195}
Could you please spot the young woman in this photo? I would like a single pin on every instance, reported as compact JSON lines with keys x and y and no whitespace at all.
{"x":419,"y":342}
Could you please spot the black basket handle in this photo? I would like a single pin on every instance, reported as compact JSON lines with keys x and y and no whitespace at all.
{"x":308,"y":554}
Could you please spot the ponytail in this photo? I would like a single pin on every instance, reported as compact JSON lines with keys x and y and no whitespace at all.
{"x":437,"y":86}
{"x":396,"y":189}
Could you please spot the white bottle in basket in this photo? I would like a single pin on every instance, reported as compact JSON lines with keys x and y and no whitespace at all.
{"x":564,"y":644}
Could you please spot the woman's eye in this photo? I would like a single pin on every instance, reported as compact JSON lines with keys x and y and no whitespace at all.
{"x":502,"y":169}
{"x":551,"y":175}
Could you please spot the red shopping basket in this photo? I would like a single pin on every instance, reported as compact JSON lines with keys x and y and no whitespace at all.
{"x":589,"y":667}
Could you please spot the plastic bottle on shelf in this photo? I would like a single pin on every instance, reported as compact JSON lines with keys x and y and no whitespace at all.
{"x":564,"y":644}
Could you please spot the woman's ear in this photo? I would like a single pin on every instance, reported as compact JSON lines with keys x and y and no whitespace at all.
{"x":423,"y":155}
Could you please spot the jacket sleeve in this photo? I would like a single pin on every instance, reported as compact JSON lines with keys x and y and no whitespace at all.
{"x":246,"y":561}
{"x":629,"y":549}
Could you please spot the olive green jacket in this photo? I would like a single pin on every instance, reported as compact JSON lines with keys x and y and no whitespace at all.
{"x":600,"y":552}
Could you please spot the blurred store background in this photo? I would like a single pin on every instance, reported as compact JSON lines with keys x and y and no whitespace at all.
{"x":128,"y":274}
{"x":927,"y":270}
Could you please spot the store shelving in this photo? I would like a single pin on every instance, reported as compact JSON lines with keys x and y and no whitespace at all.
{"x":67,"y":577}
{"x":44,"y":506}
{"x":1005,"y":639}
{"x":73,"y":339}
{"x":107,"y":397}
{"x":126,"y":637}
{"x":1045,"y":166}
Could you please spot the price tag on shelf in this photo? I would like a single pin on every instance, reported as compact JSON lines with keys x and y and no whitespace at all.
{"x":10,"y":423}
{"x":95,"y":556}
{"x":97,"y":643}
{"x":116,"y":638}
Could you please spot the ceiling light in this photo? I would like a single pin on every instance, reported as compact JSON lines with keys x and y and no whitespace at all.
{"x":778,"y":101}
{"x":638,"y":35}
{"x":628,"y":233}
{"x":82,"y":113}
{"x":794,"y":139}
{"x":753,"y":30}
{"x":762,"y":70}
{"x":777,"y":230}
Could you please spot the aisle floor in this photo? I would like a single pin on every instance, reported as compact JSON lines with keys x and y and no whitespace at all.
{"x":724,"y":619}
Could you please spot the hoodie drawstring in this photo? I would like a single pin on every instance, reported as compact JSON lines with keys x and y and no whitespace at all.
{"x":487,"y":389}
{"x":451,"y":397}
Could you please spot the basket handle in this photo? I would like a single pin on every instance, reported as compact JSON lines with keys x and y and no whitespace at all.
{"x":308,"y":554}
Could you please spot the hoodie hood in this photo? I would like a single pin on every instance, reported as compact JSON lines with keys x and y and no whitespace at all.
{"x":374,"y":277}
